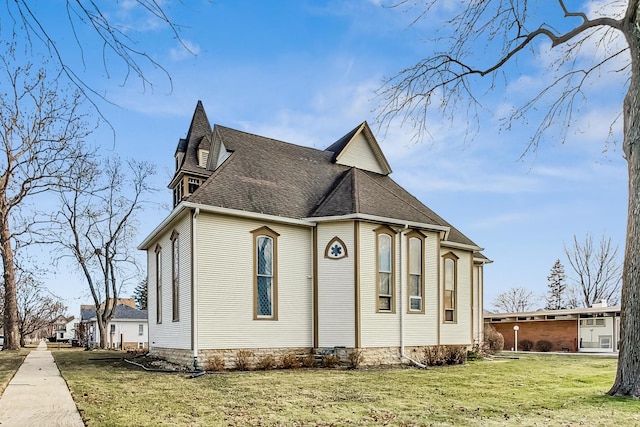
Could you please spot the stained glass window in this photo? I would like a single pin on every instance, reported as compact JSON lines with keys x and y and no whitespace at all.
{"x":265,"y":275}
{"x":385,"y":285}
{"x":415,"y":274}
{"x":449,"y":289}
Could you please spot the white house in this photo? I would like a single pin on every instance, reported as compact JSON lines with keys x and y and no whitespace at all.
{"x":127,"y":329}
{"x":277,"y":247}
{"x":66,"y":331}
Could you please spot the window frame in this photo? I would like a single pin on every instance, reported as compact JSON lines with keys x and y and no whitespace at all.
{"x":416,"y":235}
{"x":450,"y":257}
{"x":140,"y":329}
{"x":175,"y":276}
{"x":265,"y":232}
{"x":379,"y":232}
{"x":193,"y":184}
{"x":158,"y":252}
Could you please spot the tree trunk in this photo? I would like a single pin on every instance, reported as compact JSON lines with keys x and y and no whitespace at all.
{"x":102,"y":327}
{"x":627,"y":381}
{"x":11,"y":332}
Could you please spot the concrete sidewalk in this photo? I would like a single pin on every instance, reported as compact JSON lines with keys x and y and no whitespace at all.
{"x":37,"y":395}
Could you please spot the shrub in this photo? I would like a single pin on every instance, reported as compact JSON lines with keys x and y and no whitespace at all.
{"x":434,"y":355}
{"x":266,"y":362}
{"x":544,"y":345}
{"x":290,"y":361}
{"x":440,"y":355}
{"x":214,"y":363}
{"x":308,"y":361}
{"x":525,"y":345}
{"x":455,"y":354}
{"x":330,"y":360}
{"x":355,"y":358}
{"x":493,"y":340}
{"x":474,"y":354}
{"x":243,"y":360}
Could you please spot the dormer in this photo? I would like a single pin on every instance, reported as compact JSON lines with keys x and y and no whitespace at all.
{"x":219,"y":152}
{"x":181,"y":149}
{"x":360,"y":149}
{"x":203,"y":151}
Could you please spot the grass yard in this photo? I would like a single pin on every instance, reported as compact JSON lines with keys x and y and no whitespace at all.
{"x":535,"y":390}
{"x":10,"y":361}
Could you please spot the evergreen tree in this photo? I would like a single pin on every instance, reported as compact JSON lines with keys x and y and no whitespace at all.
{"x":556,"y":299}
{"x":140,"y":295}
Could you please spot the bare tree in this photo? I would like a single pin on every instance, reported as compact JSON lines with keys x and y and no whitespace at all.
{"x":597,"y":271}
{"x":96,"y":227}
{"x":516,"y":300}
{"x":111,"y":34}
{"x":37,"y":307}
{"x":41,"y":125}
{"x":454,"y":79}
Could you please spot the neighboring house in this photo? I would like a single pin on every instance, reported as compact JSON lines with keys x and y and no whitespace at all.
{"x":127,"y":329}
{"x":66,"y":331}
{"x":59,"y":329}
{"x":277,"y":248}
{"x":594,"y":329}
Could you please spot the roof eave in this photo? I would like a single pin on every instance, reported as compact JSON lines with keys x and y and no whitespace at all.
{"x":177,"y":211}
{"x":375,"y":218}
{"x":464,"y":246}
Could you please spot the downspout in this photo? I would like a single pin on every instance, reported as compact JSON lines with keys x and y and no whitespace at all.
{"x":194,"y":287}
{"x":402,"y":303}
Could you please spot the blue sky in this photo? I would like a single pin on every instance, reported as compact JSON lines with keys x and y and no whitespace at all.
{"x":306,"y":72}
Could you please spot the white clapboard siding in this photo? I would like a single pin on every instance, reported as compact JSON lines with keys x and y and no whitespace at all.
{"x":336,"y":288}
{"x":377,"y":329}
{"x":170,"y":334}
{"x":459,"y":333}
{"x":422,"y":329}
{"x":359,"y":154}
{"x":226,"y":285}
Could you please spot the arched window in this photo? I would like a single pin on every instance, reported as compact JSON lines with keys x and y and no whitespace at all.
{"x":158,"y":252}
{"x":385,"y":273}
{"x":175,"y":276}
{"x":416,"y":276}
{"x":265,"y":274}
{"x":450,"y":287}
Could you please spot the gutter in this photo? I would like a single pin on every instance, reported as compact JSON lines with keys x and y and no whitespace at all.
{"x":194,"y":287}
{"x":182,"y":206}
{"x":381,"y":219}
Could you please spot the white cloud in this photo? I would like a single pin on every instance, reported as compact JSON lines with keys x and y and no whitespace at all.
{"x":184,"y":50}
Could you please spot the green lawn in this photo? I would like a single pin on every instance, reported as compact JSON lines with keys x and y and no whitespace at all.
{"x":10,"y":361}
{"x":533,"y":390}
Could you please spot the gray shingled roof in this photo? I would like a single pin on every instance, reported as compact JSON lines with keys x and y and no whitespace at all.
{"x":273,"y":177}
{"x":122,"y":312}
{"x":199,"y":133}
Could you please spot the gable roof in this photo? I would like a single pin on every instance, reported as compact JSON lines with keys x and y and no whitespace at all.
{"x":254,"y":174}
{"x":267,"y":176}
{"x":122,"y":312}
{"x":346,"y":151}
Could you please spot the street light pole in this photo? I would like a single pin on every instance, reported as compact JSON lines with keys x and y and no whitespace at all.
{"x":515,"y":331}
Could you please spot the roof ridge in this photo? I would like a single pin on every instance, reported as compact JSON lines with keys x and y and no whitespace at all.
{"x":272,"y":139}
{"x":334,"y":189}
{"x":355,"y":190}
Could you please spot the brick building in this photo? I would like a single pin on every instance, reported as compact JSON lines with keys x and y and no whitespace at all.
{"x":594,"y":329}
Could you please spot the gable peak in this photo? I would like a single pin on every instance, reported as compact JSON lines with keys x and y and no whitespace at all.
{"x":359,"y":148}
